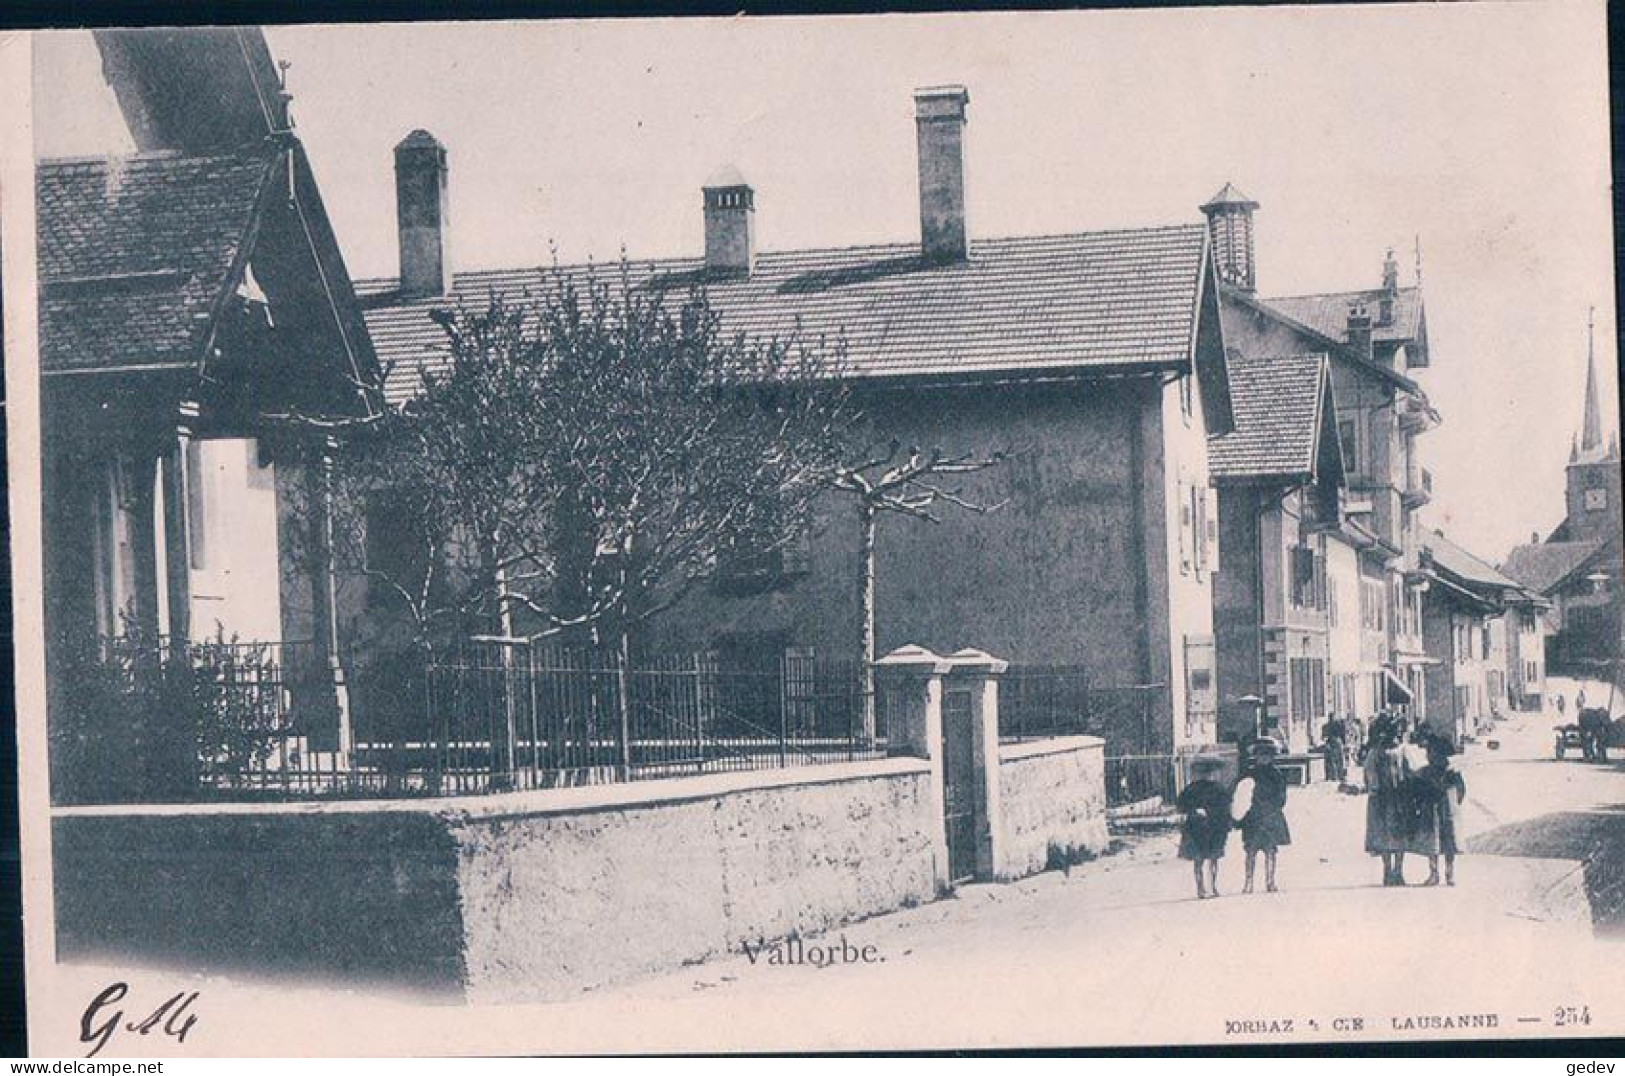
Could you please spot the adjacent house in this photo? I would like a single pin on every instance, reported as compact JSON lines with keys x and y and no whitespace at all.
{"x":190,"y":291}
{"x":1279,"y":476}
{"x":1095,"y":358}
{"x":1579,"y":568}
{"x":1464,"y":613}
{"x":1374,"y":338}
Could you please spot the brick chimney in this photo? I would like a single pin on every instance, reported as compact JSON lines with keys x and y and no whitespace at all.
{"x":1390,"y":289}
{"x":420,"y":214}
{"x":1360,"y":331}
{"x":730,"y":223}
{"x":939,"y":120}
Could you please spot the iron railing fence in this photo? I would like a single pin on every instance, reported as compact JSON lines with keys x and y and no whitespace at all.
{"x":1141,"y":778}
{"x":1044,"y":701}
{"x":499,"y":716}
{"x":489,"y":716}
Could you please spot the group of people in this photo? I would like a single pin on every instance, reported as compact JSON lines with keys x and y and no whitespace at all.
{"x":1256,"y":805}
{"x":1414,"y":796}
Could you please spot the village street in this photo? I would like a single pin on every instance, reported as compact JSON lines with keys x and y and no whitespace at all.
{"x":1116,"y":952}
{"x":1120,"y":951}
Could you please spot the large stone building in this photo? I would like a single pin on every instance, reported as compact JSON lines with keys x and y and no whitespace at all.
{"x":1375,"y":338}
{"x":1579,"y":567}
{"x":1094,"y":358}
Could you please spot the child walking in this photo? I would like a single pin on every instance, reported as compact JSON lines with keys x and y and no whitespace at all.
{"x":1260,"y":810}
{"x":1446,"y":789}
{"x":1205,"y":803}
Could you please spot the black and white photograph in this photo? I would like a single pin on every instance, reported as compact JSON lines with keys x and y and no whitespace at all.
{"x":897,"y":532}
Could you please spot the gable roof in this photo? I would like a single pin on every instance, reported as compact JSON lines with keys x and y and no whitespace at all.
{"x":1328,"y":314}
{"x":1335,"y":341}
{"x":1458,"y":562}
{"x":1543,"y":567}
{"x":136,"y":252}
{"x":1468,"y":576}
{"x":1278,"y":404}
{"x":1123,"y":301}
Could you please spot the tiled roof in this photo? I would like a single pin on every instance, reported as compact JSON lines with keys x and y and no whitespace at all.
{"x":134,"y":252}
{"x":1542,"y":567}
{"x":1120,"y":299}
{"x":1277,"y":406}
{"x":1329,"y":314}
{"x":1458,"y":562}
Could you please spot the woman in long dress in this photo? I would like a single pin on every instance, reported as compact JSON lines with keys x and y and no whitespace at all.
{"x":1387,"y":819}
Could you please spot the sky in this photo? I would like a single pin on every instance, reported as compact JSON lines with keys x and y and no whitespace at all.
{"x":1479,"y":130}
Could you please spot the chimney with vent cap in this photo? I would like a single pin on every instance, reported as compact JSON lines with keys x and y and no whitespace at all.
{"x":1230,"y":230}
{"x":939,"y":120}
{"x":730,"y":224}
{"x":1390,"y":289}
{"x":1360,"y":331}
{"x":420,"y":214}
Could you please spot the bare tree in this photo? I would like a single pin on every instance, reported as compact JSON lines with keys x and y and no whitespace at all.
{"x":581,"y":458}
{"x":909,"y":484}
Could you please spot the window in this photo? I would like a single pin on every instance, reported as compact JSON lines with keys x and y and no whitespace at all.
{"x":743,"y":565}
{"x":1308,"y":577}
{"x":1596,"y":500}
{"x":1199,"y":525}
{"x":197,"y":516}
{"x":1350,"y":443}
{"x":1184,"y":527}
{"x":1308,"y":703}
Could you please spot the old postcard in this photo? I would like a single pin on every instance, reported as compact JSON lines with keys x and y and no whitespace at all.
{"x":863,"y":533}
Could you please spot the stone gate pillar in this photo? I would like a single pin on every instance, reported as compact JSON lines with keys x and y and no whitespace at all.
{"x":975,"y":674}
{"x":908,"y":682}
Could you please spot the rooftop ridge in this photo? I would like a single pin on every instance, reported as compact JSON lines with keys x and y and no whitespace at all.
{"x":888,"y":247}
{"x":1330,"y":294}
{"x":248,"y":152}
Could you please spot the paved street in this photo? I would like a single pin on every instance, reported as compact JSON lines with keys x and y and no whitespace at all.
{"x":1119,"y":951}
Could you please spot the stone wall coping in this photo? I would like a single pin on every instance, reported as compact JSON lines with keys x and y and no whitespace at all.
{"x":630,"y":794}
{"x":912,"y":660}
{"x":968,"y":662}
{"x":1010,"y":752}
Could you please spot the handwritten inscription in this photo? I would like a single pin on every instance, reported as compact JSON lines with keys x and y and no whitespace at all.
{"x":101,"y":1021}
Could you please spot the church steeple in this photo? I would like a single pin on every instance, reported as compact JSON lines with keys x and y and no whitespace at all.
{"x":1591,"y":428}
{"x":1593,"y":480}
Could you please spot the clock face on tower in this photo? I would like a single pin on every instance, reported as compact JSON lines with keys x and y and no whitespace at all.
{"x":1596,"y":500}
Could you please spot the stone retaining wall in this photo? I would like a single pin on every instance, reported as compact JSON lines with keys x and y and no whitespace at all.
{"x":530,"y":896}
{"x":1053,"y":803}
